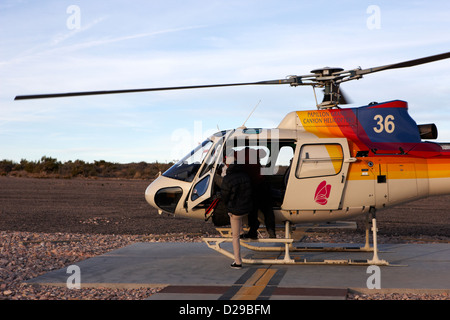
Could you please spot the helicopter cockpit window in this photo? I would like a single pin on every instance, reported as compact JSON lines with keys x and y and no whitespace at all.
{"x":187,"y":168}
{"x":284,"y":159}
{"x":320,"y":160}
{"x":274,"y":156}
{"x":200,"y":188}
{"x":253,"y":154}
{"x":209,"y":163}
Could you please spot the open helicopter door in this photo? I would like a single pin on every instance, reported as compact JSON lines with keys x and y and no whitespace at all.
{"x":203,"y":182}
{"x":318,"y":175}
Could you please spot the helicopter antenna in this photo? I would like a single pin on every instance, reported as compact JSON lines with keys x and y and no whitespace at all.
{"x":243,"y":125}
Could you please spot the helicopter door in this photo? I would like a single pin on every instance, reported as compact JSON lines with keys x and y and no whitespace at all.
{"x":318,"y":175}
{"x":202,"y":184}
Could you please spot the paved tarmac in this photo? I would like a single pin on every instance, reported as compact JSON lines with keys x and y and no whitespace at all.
{"x":192,"y":271}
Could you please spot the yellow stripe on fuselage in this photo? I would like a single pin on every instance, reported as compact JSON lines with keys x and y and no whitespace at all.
{"x":399,"y":167}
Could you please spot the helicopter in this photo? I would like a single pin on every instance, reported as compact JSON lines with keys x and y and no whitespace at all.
{"x":324,"y":165}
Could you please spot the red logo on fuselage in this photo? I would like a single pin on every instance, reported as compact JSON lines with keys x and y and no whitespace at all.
{"x":322,"y":193}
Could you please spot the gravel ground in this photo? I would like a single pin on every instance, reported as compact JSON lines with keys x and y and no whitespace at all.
{"x":48,"y":224}
{"x":26,"y":255}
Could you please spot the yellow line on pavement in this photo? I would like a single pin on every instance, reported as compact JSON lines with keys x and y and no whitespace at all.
{"x":253,"y":287}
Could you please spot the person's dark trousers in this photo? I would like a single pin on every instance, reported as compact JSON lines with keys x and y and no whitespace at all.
{"x":262,"y":202}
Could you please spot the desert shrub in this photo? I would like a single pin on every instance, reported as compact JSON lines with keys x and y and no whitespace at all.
{"x":51,"y":167}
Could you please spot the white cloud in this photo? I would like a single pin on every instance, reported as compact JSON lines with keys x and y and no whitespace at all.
{"x":60,"y":37}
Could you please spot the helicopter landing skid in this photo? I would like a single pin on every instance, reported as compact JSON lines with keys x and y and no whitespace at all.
{"x":215,"y":244}
{"x":287,"y":248}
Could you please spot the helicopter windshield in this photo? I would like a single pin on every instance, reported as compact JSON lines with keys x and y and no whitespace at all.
{"x":187,"y":168}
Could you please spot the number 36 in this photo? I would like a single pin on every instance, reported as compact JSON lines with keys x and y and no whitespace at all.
{"x":384,"y":124}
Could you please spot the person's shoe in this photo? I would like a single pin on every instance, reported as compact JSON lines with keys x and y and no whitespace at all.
{"x":234,"y":265}
{"x":272,"y":234}
{"x":249,"y":235}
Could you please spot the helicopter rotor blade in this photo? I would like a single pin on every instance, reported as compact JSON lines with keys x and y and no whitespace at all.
{"x":90,"y":93}
{"x":343,"y":98}
{"x":405,"y":64}
{"x":317,"y":78}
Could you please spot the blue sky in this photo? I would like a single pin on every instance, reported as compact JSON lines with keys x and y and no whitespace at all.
{"x":48,"y":46}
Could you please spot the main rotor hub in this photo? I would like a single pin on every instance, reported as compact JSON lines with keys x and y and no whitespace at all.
{"x":327,"y":71}
{"x":326,"y":78}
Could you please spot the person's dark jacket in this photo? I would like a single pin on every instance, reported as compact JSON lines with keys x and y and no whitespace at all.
{"x":237,"y":190}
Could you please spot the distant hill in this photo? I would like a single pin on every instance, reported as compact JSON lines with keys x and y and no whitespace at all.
{"x":48,"y":167}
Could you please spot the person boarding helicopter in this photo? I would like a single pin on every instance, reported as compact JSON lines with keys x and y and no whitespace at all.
{"x":237,"y":196}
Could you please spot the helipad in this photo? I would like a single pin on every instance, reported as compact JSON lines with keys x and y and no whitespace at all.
{"x":192,"y":271}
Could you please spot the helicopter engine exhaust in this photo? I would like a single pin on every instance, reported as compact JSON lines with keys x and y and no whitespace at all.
{"x":428,"y":131}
